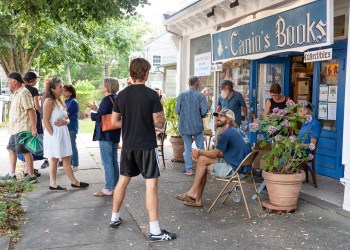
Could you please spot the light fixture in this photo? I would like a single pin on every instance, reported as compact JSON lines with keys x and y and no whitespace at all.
{"x":212,"y":13}
{"x":234,"y":4}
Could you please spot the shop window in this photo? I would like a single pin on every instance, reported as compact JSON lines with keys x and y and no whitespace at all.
{"x":339,"y":27}
{"x":328,"y":90}
{"x":156,"y":60}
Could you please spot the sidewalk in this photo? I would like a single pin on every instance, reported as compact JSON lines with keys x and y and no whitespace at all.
{"x":78,"y":220}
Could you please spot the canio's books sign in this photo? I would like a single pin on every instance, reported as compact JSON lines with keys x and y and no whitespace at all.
{"x":294,"y":28}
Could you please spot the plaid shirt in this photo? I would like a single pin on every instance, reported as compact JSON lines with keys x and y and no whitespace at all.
{"x":19,"y":119}
{"x":191,"y":106}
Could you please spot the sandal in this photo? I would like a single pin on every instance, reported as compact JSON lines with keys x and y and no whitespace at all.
{"x":81,"y":185}
{"x":192,"y":204}
{"x":103,"y":193}
{"x":58,"y":188}
{"x":185,"y":197}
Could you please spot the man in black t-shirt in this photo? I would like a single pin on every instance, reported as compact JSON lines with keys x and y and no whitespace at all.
{"x":138,"y":110}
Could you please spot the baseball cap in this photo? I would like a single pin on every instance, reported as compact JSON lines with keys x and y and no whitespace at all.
{"x":15,"y":75}
{"x":226,"y":83}
{"x":226,"y":112}
{"x":31,"y":75}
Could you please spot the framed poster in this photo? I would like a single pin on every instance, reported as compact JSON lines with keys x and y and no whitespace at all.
{"x":303,"y":86}
{"x":323,"y":93}
{"x":322,"y":111}
{"x":332,"y":93}
{"x":332,"y":111}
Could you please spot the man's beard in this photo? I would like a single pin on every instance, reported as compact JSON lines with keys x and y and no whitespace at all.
{"x":224,"y":94}
{"x":221,"y":124}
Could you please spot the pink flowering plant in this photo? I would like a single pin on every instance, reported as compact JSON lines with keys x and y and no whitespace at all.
{"x":280,"y":130}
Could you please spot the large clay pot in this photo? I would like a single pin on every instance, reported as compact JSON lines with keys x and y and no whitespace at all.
{"x":284,"y":189}
{"x":178,"y":148}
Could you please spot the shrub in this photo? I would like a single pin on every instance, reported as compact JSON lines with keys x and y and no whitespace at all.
{"x":84,"y":95}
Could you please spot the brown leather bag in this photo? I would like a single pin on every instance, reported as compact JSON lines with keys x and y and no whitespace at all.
{"x":106,"y":121}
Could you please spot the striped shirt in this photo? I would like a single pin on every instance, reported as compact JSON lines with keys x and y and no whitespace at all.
{"x":191,"y":106}
{"x":19,"y":119}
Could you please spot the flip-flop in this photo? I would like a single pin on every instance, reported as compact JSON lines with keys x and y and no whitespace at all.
{"x":101,"y":193}
{"x":191,"y":204}
{"x":185,"y":197}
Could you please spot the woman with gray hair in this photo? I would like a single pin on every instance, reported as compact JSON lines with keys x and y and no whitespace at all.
{"x":108,"y":140}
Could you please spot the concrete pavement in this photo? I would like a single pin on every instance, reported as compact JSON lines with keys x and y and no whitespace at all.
{"x":78,"y":220}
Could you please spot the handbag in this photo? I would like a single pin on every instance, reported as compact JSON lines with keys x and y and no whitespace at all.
{"x":35,"y":145}
{"x":24,"y":137}
{"x":106,"y":121}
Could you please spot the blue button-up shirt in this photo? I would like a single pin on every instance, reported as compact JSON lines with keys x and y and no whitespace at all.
{"x":310,"y":130}
{"x":73,"y":110}
{"x":191,"y":106}
{"x":234,"y":103}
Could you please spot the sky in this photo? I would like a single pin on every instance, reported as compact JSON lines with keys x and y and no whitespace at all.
{"x":154,"y":13}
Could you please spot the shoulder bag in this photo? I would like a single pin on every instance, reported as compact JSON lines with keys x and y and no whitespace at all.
{"x":106,"y":121}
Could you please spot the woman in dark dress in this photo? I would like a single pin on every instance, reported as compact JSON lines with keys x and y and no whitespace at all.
{"x":277,"y":100}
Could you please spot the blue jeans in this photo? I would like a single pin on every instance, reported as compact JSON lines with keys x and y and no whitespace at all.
{"x":75,"y":156}
{"x":109,"y":157}
{"x":199,"y":139}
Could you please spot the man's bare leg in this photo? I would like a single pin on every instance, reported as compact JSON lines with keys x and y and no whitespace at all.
{"x":200,"y":178}
{"x":152,"y":198}
{"x":29,"y":163}
{"x":119,"y":193}
{"x":13,"y":161}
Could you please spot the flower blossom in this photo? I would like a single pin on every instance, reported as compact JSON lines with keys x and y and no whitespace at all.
{"x":253,"y":127}
{"x":312,"y":146}
{"x":275,"y":110}
{"x":292,"y":138}
{"x":260,"y":137}
{"x":282,"y":112}
{"x":285,"y":123}
{"x":308,"y":118}
{"x":310,"y":156}
{"x":271,"y":130}
{"x":278,"y":137}
{"x":289,"y":103}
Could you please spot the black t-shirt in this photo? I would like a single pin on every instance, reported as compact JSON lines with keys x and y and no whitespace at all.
{"x":136,"y":104}
{"x":34,"y":91}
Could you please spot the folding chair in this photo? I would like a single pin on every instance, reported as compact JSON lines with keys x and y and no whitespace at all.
{"x":236,"y":181}
{"x":310,"y":166}
{"x":161,"y":134}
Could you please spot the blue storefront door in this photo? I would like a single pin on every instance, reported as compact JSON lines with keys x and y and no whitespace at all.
{"x":330,"y":75}
{"x":265,"y":72}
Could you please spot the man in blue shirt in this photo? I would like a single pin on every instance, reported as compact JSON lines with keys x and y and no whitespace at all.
{"x":233,"y":100}
{"x":191,"y":107}
{"x":230,"y":150}
{"x":310,"y":130}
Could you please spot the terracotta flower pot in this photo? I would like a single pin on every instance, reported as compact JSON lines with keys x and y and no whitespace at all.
{"x":178,"y":148}
{"x":283,"y":189}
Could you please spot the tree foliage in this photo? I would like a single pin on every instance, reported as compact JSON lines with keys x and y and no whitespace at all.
{"x":55,"y":32}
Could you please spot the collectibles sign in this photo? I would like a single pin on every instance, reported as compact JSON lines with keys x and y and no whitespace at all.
{"x":297,"y":28}
{"x":319,"y":55}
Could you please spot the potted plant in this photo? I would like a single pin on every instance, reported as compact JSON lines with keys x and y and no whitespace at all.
{"x":173,"y":129}
{"x":282,"y":171}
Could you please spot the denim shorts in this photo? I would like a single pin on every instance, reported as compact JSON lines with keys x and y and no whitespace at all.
{"x":221,"y":169}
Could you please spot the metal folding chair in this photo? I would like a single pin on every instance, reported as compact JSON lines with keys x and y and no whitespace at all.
{"x":237,"y":181}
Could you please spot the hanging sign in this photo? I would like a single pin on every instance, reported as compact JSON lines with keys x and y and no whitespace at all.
{"x":318,"y":55}
{"x":278,"y":32}
{"x":216,"y":67}
{"x":202,"y":64}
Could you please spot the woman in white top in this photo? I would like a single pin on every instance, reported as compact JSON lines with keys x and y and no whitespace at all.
{"x":57,"y":143}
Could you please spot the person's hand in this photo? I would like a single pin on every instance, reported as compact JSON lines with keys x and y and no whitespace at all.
{"x":92,"y":106}
{"x":87,"y":112}
{"x":61,"y":122}
{"x":34,"y":132}
{"x":195,"y":153}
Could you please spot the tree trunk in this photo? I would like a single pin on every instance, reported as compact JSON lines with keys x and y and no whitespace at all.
{"x":69,"y":78}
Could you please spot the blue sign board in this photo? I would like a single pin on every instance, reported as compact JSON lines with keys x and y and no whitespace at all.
{"x":298,"y":28}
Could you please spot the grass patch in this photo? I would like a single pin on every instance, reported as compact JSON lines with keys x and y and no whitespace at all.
{"x":86,"y":126}
{"x":10,"y":208}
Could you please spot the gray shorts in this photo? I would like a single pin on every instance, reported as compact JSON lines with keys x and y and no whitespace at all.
{"x":221,"y":169}
{"x":15,"y":146}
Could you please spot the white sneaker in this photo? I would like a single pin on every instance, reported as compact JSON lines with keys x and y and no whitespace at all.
{"x":75,"y":169}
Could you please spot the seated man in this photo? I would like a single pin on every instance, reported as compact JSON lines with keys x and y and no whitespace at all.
{"x":230,"y":150}
{"x":310,"y":131}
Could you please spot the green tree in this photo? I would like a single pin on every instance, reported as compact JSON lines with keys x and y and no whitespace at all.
{"x":28,"y":27}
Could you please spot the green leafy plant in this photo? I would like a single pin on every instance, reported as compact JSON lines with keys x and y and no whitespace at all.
{"x":280,"y":130}
{"x":171,"y":117}
{"x":85,"y":92}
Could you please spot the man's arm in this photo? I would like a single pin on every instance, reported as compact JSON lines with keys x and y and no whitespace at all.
{"x":117,"y":119}
{"x":32,"y":118}
{"x":159,"y":119}
{"x":210,"y":154}
{"x":245,"y":112}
